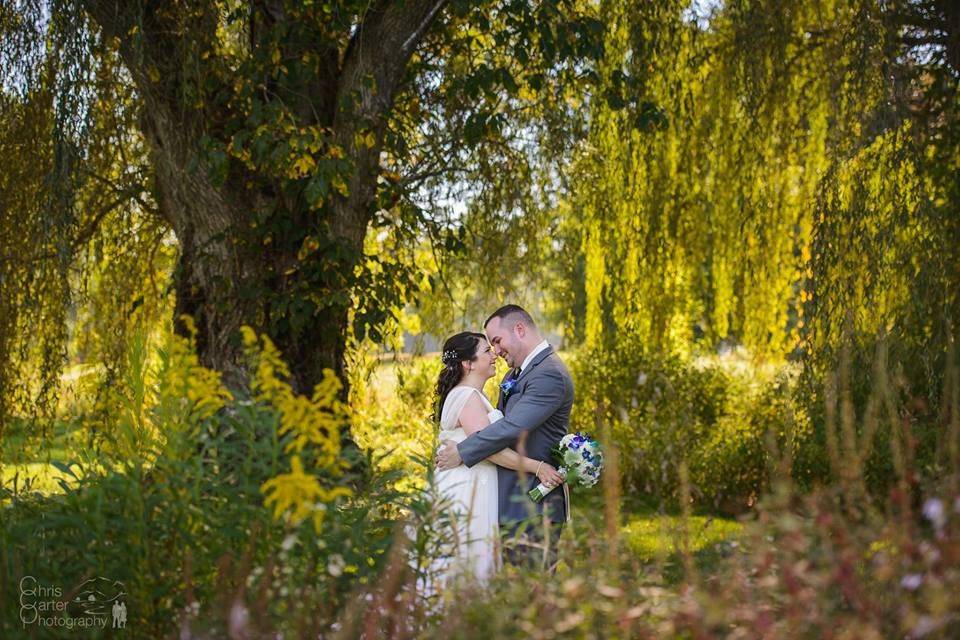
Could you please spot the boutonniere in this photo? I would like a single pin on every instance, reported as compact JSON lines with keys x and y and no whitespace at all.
{"x":507,"y":387}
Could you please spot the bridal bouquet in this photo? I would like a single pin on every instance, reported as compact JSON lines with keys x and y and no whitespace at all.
{"x":579,"y":460}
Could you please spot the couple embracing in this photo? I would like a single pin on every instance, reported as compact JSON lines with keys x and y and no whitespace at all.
{"x":491,"y":457}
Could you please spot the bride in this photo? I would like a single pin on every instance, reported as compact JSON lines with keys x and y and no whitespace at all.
{"x":468,"y":362}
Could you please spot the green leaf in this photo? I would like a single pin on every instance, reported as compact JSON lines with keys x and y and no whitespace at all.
{"x":316,"y":189}
{"x":65,"y":468}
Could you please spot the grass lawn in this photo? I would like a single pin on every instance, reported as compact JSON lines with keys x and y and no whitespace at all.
{"x":659,"y":538}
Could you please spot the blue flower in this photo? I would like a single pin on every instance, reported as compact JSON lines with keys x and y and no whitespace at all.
{"x":508,"y":385}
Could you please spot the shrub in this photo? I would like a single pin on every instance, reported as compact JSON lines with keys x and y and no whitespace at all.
{"x":194,"y":508}
{"x":715,"y":414}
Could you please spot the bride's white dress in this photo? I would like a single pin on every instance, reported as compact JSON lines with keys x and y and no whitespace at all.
{"x":474,"y":498}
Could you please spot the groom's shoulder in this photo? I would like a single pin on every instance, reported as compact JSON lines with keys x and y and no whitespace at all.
{"x":557,"y":362}
{"x":554,"y":367}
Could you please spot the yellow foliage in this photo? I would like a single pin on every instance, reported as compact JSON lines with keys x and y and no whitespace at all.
{"x":302,"y":166}
{"x":367,"y":139}
{"x":184,"y":378}
{"x":296,"y":496}
{"x":154,"y":397}
{"x":340,"y":186}
{"x":316,"y":420}
{"x":310,"y":244}
{"x":313,"y":422}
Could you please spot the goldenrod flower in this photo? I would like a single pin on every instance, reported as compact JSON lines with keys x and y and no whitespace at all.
{"x":312,"y":422}
{"x":296,"y":495}
{"x":185,"y":382}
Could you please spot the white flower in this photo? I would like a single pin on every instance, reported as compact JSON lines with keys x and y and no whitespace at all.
{"x":930,"y":552}
{"x":933,"y":511}
{"x":335,"y":565}
{"x":641,"y":379}
{"x":911,"y":581}
{"x":925,"y":624}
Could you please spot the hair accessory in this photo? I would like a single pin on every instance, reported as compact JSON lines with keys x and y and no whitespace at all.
{"x":449,"y":356}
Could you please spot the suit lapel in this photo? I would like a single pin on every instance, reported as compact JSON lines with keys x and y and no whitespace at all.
{"x":502,"y":397}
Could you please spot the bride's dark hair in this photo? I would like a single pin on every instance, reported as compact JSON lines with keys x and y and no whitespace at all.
{"x":456,"y":349}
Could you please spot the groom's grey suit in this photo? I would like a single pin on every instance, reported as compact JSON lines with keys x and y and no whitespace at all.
{"x":539,"y":406}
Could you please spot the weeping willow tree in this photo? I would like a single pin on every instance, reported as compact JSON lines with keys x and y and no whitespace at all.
{"x":82,"y":253}
{"x":783,"y":176}
{"x":765,"y":171}
{"x":696,"y":192}
{"x":259,"y":164}
{"x":886,"y":254}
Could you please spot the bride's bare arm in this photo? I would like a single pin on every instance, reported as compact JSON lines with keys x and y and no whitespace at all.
{"x":474,"y":417}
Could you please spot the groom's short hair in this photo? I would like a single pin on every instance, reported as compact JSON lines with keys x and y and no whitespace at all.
{"x":512,"y":313}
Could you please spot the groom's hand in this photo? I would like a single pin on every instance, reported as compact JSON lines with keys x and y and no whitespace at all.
{"x":448,"y":457}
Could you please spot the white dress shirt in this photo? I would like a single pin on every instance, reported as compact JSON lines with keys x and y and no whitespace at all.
{"x":537,"y":349}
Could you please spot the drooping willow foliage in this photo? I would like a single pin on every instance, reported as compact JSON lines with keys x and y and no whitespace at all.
{"x":767,"y":173}
{"x":696,"y":195}
{"x":82,"y":258}
{"x":887,"y":246}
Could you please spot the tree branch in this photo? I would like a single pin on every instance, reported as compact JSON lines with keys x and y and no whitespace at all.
{"x":380,"y":49}
{"x":374,"y":66}
{"x":86,"y":233}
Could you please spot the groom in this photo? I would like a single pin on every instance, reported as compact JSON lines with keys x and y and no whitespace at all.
{"x":536,"y":397}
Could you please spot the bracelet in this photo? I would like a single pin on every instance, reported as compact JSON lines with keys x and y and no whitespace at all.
{"x":537,"y":472}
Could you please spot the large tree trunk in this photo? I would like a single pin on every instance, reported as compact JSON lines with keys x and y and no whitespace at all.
{"x":224,"y":270}
{"x":229,"y":275}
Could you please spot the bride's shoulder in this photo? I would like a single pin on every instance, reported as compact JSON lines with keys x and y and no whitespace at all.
{"x":457,"y":393}
{"x":461,"y":394}
{"x":459,"y":389}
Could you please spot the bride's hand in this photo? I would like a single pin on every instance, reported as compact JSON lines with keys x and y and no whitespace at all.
{"x":549,"y":476}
